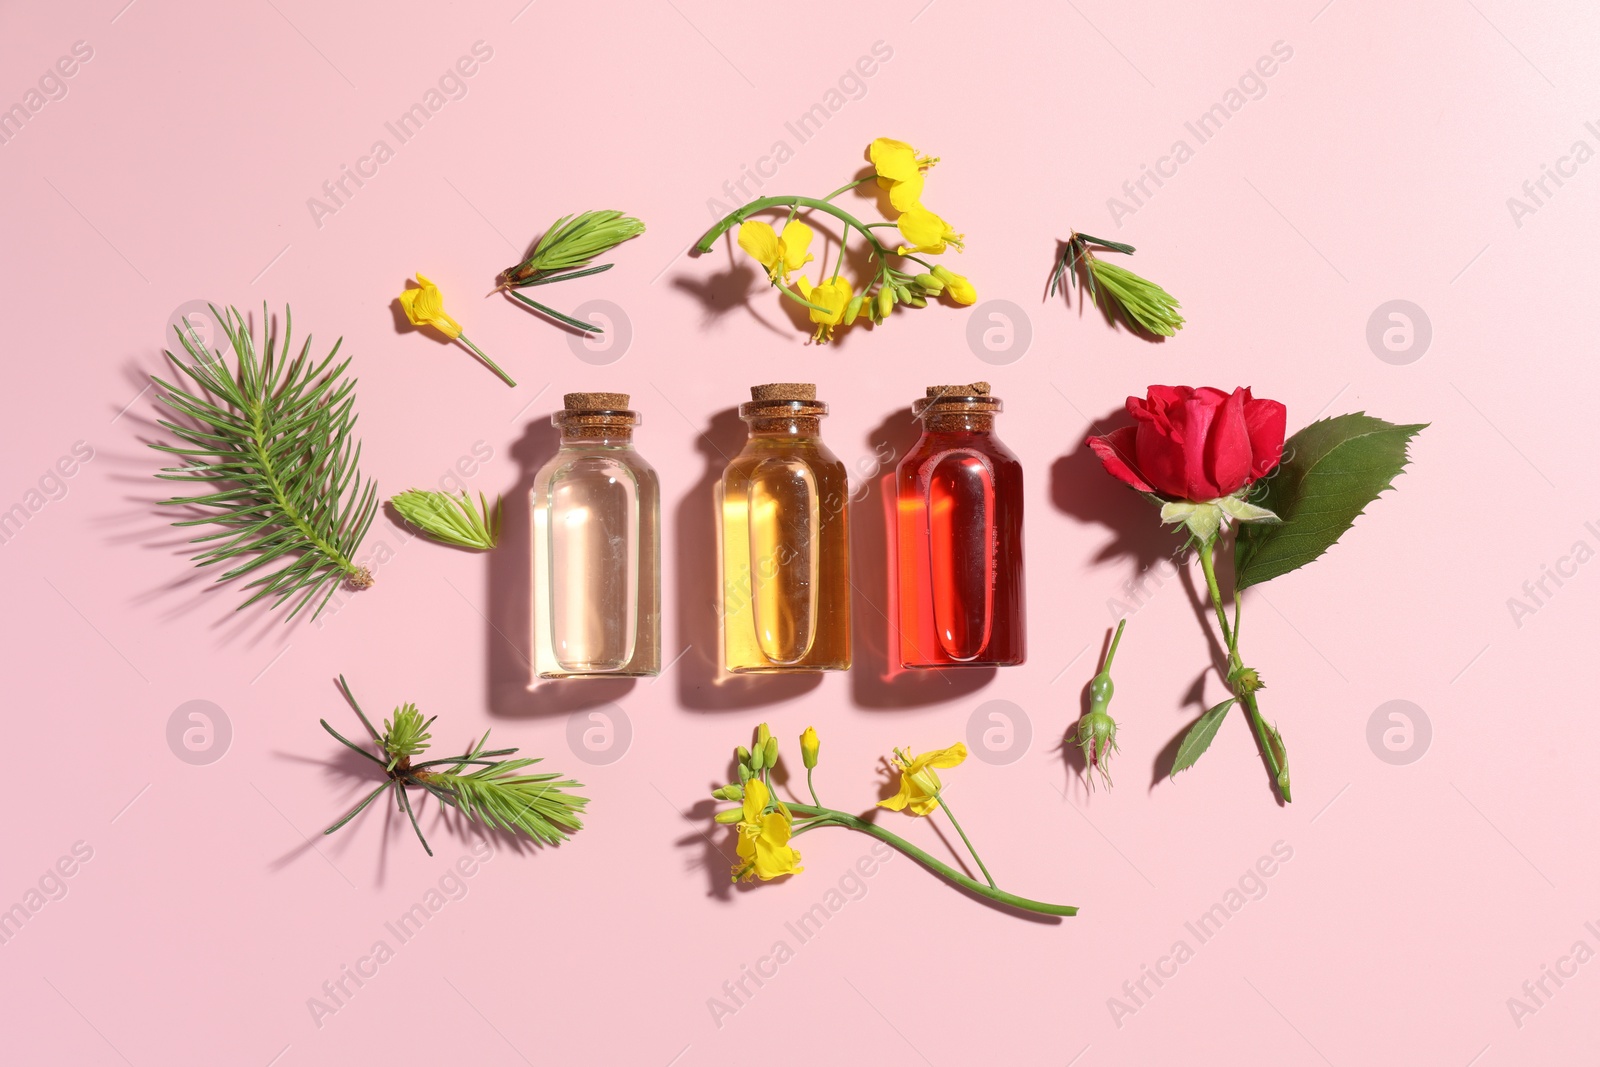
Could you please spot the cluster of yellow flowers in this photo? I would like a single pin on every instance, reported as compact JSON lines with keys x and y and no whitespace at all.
{"x":834,"y":302}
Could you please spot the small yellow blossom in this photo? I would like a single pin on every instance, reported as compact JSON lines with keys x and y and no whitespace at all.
{"x":899,"y":171}
{"x":424,"y":306}
{"x":780,"y":255}
{"x":926,"y":232}
{"x":919,"y":783}
{"x":832,"y":299}
{"x":956,"y":285}
{"x":763,"y":847}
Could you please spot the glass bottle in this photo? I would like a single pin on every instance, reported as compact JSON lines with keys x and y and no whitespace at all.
{"x":784,"y":540}
{"x":959,"y":507}
{"x":596,"y":547}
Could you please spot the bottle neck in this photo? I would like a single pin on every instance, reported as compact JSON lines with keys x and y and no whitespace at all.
{"x":597,"y":437}
{"x":785,"y":426}
{"x":958,"y":422}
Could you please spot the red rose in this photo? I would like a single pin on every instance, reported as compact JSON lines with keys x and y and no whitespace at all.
{"x":1194,"y":444}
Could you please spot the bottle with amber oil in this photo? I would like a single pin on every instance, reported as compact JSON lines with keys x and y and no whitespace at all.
{"x":784,"y":540}
{"x":959,"y":507}
{"x":596,"y":547}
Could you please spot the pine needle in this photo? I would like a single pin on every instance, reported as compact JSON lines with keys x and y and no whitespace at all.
{"x":273,"y":438}
{"x":570,"y":244}
{"x":451,"y":520}
{"x":493,"y":794}
{"x":1142,"y":302}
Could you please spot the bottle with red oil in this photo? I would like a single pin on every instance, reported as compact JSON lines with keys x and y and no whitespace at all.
{"x":959,"y":506}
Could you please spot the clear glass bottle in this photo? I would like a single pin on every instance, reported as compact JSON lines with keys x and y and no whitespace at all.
{"x":959,"y":503}
{"x":785,"y":540}
{"x":596,"y":547}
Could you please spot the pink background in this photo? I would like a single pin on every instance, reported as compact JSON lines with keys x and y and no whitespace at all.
{"x":1376,"y":166}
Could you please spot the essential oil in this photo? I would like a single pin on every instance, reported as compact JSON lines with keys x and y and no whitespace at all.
{"x":959,"y":544}
{"x":785,"y":540}
{"x":596,"y":547}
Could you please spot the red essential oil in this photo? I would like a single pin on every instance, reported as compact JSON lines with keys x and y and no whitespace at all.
{"x":959,"y":503}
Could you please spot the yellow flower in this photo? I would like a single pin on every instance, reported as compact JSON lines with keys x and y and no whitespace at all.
{"x":960,"y":290}
{"x":764,"y":850}
{"x":780,"y":255}
{"x":926,"y":232}
{"x":809,"y":746}
{"x":899,"y":171}
{"x":425,"y":307}
{"x":832,"y":297}
{"x":919,"y":783}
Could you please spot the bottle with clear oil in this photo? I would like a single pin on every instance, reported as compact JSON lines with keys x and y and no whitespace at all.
{"x":785,"y":540}
{"x":596,"y":547}
{"x":959,"y":544}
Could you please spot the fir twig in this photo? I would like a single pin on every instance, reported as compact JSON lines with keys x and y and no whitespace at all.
{"x":494,"y":794}
{"x":1142,"y":302}
{"x":451,"y":520}
{"x":273,"y":436}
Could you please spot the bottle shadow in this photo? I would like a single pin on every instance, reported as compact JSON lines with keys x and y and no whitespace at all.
{"x":509,"y":614}
{"x":877,"y":678}
{"x":703,"y":684}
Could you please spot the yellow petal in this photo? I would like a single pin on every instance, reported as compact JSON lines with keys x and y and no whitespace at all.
{"x":907,"y":194}
{"x":424,"y":306}
{"x":926,"y":232}
{"x":795,"y":241}
{"x":761,"y":242}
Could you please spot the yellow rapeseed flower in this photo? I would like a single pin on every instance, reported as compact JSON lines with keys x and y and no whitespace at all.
{"x":956,"y":285}
{"x":919,"y":783}
{"x":764,"y":850}
{"x":899,"y":171}
{"x":809,"y":746}
{"x":424,"y":306}
{"x":780,"y":255}
{"x":926,"y":232}
{"x":832,"y":299}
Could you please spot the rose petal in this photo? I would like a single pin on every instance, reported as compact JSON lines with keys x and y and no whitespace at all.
{"x":1116,"y":450}
{"x":1266,"y":421}
{"x":1227,"y":446}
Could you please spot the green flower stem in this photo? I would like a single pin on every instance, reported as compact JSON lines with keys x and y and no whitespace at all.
{"x":846,"y":188}
{"x":492,"y":365}
{"x":829,"y":817}
{"x":952,"y":817}
{"x":1231,"y":636}
{"x":766,"y":202}
{"x":812,"y":788}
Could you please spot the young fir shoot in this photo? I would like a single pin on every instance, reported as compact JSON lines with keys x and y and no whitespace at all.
{"x":451,"y":520}
{"x":493,"y":794}
{"x":766,"y":824}
{"x":1097,"y":730}
{"x":272,"y":436}
{"x":1142,"y":302}
{"x":565,"y":252}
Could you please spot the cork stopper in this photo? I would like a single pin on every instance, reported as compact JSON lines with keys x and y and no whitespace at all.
{"x":595,"y":401}
{"x":783,"y":391}
{"x":596,"y":415}
{"x":784,"y":407}
{"x":957,"y":407}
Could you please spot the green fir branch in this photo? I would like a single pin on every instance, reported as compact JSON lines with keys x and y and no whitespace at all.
{"x":492,"y":794}
{"x":271,"y":440}
{"x":1142,"y":302}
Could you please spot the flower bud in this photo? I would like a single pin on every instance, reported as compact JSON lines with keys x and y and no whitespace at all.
{"x":809,"y":744}
{"x":931,"y":283}
{"x":742,"y":753}
{"x":772,"y":752}
{"x":1245,"y":680}
{"x":852,"y":309}
{"x":885,"y":301}
{"x":1097,"y":737}
{"x":762,"y":733}
{"x":729,"y":792}
{"x":744,"y":773}
{"x":757,"y":759}
{"x":727,"y":818}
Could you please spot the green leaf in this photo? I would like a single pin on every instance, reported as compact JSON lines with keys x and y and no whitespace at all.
{"x":1331,"y":471}
{"x":445,"y":518}
{"x":1198,"y":739}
